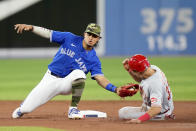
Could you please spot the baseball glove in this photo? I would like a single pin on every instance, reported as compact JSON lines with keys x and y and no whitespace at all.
{"x":128,"y":90}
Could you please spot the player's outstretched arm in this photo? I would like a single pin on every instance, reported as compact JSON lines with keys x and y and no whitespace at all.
{"x":43,"y":32}
{"x":105,"y":83}
{"x":127,"y":90}
{"x":102,"y":81}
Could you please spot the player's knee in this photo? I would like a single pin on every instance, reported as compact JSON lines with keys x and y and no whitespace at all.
{"x":78,"y":82}
{"x":78,"y":78}
{"x":78,"y":74}
{"x":78,"y":87}
{"x":124,"y":113}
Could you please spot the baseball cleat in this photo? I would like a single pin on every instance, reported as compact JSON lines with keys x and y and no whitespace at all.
{"x":74,"y":113}
{"x":17,"y":113}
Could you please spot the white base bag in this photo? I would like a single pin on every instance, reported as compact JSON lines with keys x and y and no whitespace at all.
{"x":93,"y":114}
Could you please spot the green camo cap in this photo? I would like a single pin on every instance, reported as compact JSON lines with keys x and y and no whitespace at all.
{"x":93,"y":28}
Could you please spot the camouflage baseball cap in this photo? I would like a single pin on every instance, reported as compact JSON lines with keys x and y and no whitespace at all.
{"x":94,"y":29}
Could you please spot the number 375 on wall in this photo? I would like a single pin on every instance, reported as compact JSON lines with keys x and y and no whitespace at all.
{"x":167,"y":27}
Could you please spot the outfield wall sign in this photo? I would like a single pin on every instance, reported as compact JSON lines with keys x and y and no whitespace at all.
{"x":152,"y":27}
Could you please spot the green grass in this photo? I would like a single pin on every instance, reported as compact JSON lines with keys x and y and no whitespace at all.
{"x":23,"y":128}
{"x":19,"y":76}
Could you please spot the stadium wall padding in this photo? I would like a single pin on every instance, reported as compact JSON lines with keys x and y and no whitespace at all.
{"x":151,"y":27}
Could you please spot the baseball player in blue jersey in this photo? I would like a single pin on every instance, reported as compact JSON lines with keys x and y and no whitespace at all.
{"x":67,"y":72}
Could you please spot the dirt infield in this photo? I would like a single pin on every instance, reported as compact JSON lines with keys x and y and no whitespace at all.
{"x":54,"y":115}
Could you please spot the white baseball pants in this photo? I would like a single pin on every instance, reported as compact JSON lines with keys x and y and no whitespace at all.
{"x":130,"y":112}
{"x":49,"y":87}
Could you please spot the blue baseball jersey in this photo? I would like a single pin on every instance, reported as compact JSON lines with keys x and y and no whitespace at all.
{"x":71,"y":55}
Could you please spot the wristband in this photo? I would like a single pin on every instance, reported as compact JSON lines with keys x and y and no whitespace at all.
{"x":144,"y":117}
{"x":111,"y":87}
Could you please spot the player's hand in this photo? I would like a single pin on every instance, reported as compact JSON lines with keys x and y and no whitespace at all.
{"x":133,"y":121}
{"x":118,"y":90}
{"x":23,"y":27}
{"x":126,"y":64}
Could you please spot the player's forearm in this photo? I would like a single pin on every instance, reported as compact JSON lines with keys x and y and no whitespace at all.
{"x":153,"y":111}
{"x":105,"y":83}
{"x":102,"y":81}
{"x":43,"y":32}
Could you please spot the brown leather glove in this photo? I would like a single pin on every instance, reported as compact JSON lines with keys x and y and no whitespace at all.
{"x":128,"y":90}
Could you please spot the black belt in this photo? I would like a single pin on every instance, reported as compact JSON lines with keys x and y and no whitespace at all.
{"x":58,"y":76}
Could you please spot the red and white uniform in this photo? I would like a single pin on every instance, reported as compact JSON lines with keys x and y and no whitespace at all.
{"x":154,"y":91}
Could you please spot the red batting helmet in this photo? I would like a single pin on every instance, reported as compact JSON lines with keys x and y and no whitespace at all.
{"x":138,"y":63}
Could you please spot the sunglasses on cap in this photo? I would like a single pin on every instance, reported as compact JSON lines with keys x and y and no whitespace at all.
{"x":91,"y":34}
